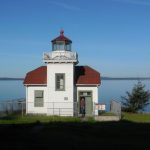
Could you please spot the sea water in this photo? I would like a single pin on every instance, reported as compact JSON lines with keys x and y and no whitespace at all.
{"x":108,"y":90}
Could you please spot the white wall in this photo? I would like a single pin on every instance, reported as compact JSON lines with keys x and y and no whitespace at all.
{"x":30,"y":109}
{"x":94,"y":90}
{"x":59,"y":96}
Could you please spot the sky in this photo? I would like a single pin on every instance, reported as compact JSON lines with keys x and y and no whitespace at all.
{"x":112,"y":36}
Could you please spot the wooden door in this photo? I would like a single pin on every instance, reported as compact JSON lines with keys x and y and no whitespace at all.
{"x":88,"y":105}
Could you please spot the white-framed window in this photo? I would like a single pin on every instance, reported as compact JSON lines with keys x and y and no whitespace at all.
{"x":38,"y":98}
{"x":60,"y":81}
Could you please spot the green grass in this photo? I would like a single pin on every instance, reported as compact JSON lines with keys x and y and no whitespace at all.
{"x":136,"y":117}
{"x":27,"y":119}
{"x":30,"y":119}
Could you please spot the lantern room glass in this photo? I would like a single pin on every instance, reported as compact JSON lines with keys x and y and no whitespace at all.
{"x":61,"y":46}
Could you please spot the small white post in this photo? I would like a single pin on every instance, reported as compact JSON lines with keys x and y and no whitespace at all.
{"x":22,"y":108}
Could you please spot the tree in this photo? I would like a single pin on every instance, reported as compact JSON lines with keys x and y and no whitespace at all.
{"x":137,"y":100}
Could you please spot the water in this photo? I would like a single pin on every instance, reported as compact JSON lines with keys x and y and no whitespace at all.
{"x":11,"y":89}
{"x":109,"y":90}
{"x":114,"y":89}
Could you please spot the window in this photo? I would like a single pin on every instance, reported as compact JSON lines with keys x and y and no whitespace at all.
{"x":60,"y":46}
{"x":54,"y":47}
{"x":38,"y":98}
{"x":85,"y":93}
{"x":68,"y":47}
{"x":60,"y":81}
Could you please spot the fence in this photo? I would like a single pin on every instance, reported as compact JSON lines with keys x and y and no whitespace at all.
{"x":115,"y":107}
{"x":48,"y":108}
{"x":12,"y":106}
{"x":18,"y":106}
{"x":52,"y":108}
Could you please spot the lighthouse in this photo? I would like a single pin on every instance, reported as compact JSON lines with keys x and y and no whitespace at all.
{"x":61,"y":63}
{"x":61,"y":86}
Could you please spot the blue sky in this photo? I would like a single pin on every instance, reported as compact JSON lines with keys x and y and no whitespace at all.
{"x":113,"y":36}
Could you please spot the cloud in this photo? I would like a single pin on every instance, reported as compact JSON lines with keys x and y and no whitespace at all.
{"x":136,"y":2}
{"x":65,"y":5}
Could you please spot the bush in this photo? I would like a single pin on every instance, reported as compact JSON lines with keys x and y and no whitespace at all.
{"x":137,"y":100}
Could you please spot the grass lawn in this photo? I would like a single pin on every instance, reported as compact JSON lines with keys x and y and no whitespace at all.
{"x":28,"y":119}
{"x":43,"y":132}
{"x":133,"y":117}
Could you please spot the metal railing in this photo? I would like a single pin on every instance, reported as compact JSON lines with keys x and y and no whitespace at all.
{"x":20,"y":106}
{"x":60,"y":55}
{"x":53,"y":108}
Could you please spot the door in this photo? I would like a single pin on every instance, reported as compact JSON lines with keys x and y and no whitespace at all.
{"x":88,"y":106}
{"x":87,"y":96}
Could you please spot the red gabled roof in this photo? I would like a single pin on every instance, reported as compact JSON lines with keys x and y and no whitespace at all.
{"x":86,"y":75}
{"x":62,"y":38}
{"x":83,"y":75}
{"x":37,"y":76}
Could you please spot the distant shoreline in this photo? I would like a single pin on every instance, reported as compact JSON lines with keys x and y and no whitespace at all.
{"x":102,"y":78}
{"x":127,"y":78}
{"x":5,"y":79}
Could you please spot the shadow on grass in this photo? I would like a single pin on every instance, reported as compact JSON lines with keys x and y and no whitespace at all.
{"x":75,"y":135}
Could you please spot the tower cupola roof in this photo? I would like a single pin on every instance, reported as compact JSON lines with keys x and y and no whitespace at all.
{"x":61,"y":38}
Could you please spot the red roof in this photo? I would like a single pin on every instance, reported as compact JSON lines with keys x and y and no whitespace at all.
{"x":83,"y":75}
{"x":37,"y":76}
{"x":62,"y":38}
{"x":86,"y":75}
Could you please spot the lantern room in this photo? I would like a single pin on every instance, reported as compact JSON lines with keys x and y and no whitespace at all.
{"x":61,"y":43}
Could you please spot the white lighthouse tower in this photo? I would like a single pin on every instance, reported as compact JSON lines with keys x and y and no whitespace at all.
{"x":60,"y":75}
